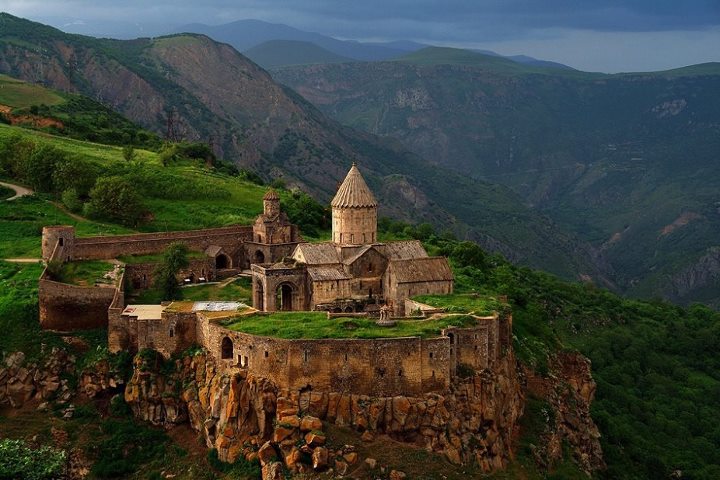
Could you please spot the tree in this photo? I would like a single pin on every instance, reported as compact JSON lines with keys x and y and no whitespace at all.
{"x":115,"y":199}
{"x":71,"y":200}
{"x":74,"y":173}
{"x":174,"y":260}
{"x":40,"y":165}
{"x":128,"y":152}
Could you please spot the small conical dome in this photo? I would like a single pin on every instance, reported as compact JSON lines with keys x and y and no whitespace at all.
{"x":271,"y":195}
{"x":353,"y":192}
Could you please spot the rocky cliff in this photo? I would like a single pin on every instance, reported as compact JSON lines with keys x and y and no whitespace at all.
{"x":475,"y":423}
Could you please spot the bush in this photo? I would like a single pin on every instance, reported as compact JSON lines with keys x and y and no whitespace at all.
{"x":71,"y":200}
{"x":20,"y":462}
{"x":115,"y":199}
{"x":126,"y":448}
{"x":174,"y":260}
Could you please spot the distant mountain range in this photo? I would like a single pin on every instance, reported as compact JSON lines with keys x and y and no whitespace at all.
{"x":259,"y":41}
{"x":627,"y":162}
{"x":201,"y":90}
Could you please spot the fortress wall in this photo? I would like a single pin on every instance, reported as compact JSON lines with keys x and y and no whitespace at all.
{"x":70,"y":307}
{"x":173,"y":333}
{"x":142,"y":275}
{"x":118,"y":329}
{"x":396,"y":366}
{"x":230,"y":238}
{"x":472,"y":345}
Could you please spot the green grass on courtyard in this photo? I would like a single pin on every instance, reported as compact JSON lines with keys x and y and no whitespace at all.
{"x":85,"y":273}
{"x":238,"y":290}
{"x":462,"y":303}
{"x":294,"y":325}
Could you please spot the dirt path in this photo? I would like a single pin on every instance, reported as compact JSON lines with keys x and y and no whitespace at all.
{"x":22,"y":260}
{"x":19,"y":191}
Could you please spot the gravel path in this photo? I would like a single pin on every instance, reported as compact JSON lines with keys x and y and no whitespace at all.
{"x":19,"y":191}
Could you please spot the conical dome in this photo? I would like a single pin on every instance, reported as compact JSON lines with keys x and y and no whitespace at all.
{"x":271,"y":195}
{"x":353,"y":192}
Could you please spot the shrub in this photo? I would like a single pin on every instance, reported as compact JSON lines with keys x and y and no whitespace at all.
{"x":126,"y":448}
{"x":71,"y":200}
{"x":20,"y":462}
{"x":115,"y":199}
{"x":174,"y":260}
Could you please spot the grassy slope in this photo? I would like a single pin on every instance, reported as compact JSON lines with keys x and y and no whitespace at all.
{"x":18,"y":94}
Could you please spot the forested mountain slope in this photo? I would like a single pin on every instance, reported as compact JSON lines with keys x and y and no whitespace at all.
{"x":627,"y":162}
{"x":191,"y":87}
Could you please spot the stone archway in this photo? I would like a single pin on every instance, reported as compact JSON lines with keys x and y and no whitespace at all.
{"x":222,"y":261}
{"x":226,"y":349}
{"x":259,"y":257}
{"x":259,"y":296}
{"x":284,"y":300}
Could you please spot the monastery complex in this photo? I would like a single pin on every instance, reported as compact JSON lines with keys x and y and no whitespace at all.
{"x":352,"y":276}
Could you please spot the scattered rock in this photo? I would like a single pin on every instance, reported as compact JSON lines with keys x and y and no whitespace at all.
{"x":371,"y":463}
{"x":397,"y":475}
{"x":320,"y":458}
{"x":309,"y":424}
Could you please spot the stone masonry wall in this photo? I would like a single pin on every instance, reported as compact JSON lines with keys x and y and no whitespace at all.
{"x":70,"y":307}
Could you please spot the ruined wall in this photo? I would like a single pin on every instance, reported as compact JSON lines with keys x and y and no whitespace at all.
{"x":229,"y":238}
{"x":71,"y":307}
{"x":142,"y":275}
{"x":173,"y":333}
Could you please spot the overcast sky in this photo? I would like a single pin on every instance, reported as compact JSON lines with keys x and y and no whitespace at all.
{"x":596,"y":35}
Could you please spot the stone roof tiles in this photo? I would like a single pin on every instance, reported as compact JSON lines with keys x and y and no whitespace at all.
{"x":271,"y":195}
{"x":404,"y":250}
{"x":317,"y":253}
{"x":354,"y":192}
{"x":327,"y":273}
{"x":428,"y":269}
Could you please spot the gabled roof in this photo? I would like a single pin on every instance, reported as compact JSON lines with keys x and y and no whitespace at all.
{"x":213,"y":250}
{"x":353,"y":192}
{"x":404,"y":250}
{"x":359,"y":253}
{"x":317,"y":253}
{"x":429,"y":269}
{"x":327,"y":273}
{"x":271,"y":195}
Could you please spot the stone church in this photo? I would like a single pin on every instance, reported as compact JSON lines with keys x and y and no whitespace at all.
{"x":354,"y":272}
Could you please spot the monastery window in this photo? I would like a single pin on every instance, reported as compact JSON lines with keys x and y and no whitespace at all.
{"x":370,"y":267}
{"x":433,"y":374}
{"x":307,"y":354}
{"x":364,"y":241}
{"x":431,"y":354}
{"x":266,"y":354}
{"x":346,"y":357}
{"x":399,"y":373}
{"x":381,"y":372}
{"x":226,"y":349}
{"x":172,"y":333}
{"x":352,"y":238}
{"x":62,"y":240}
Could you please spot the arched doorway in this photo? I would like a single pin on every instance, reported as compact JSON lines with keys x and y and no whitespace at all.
{"x":259,"y":296}
{"x":259,"y":257}
{"x":284,"y":297}
{"x":349,"y":309}
{"x":226,"y":349}
{"x":222,"y":261}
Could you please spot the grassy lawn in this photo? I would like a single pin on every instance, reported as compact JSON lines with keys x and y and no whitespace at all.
{"x":462,"y":303}
{"x":239,"y":290}
{"x":293,"y":325}
{"x":85,"y":273}
{"x":18,"y":94}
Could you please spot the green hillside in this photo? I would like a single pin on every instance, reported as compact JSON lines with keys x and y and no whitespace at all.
{"x":628,"y":162}
{"x":18,"y":94}
{"x":281,"y":53}
{"x":458,"y":56}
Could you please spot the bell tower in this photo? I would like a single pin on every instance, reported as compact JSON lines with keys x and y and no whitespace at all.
{"x":354,"y":211}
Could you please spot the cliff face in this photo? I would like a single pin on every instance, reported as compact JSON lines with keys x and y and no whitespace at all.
{"x":238,"y":413}
{"x":475,"y":423}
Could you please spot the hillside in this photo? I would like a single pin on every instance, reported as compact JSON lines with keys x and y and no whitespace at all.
{"x":281,"y":53}
{"x":654,"y":363}
{"x":627,"y":162}
{"x":263,"y":126}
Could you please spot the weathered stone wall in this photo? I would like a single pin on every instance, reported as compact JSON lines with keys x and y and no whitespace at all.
{"x":356,"y":226}
{"x":142,"y":275}
{"x":229,"y":238}
{"x":70,"y":307}
{"x":329,"y":291}
{"x":360,"y":366}
{"x":401,"y":292}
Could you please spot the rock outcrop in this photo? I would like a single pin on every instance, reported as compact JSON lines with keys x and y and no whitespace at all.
{"x":21,"y":382}
{"x":242,"y":415}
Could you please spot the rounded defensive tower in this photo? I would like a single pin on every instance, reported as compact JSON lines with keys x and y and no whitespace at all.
{"x":60,"y":236}
{"x":354,"y":211}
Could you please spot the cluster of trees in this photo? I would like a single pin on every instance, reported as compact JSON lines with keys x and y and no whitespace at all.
{"x":655,"y":363}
